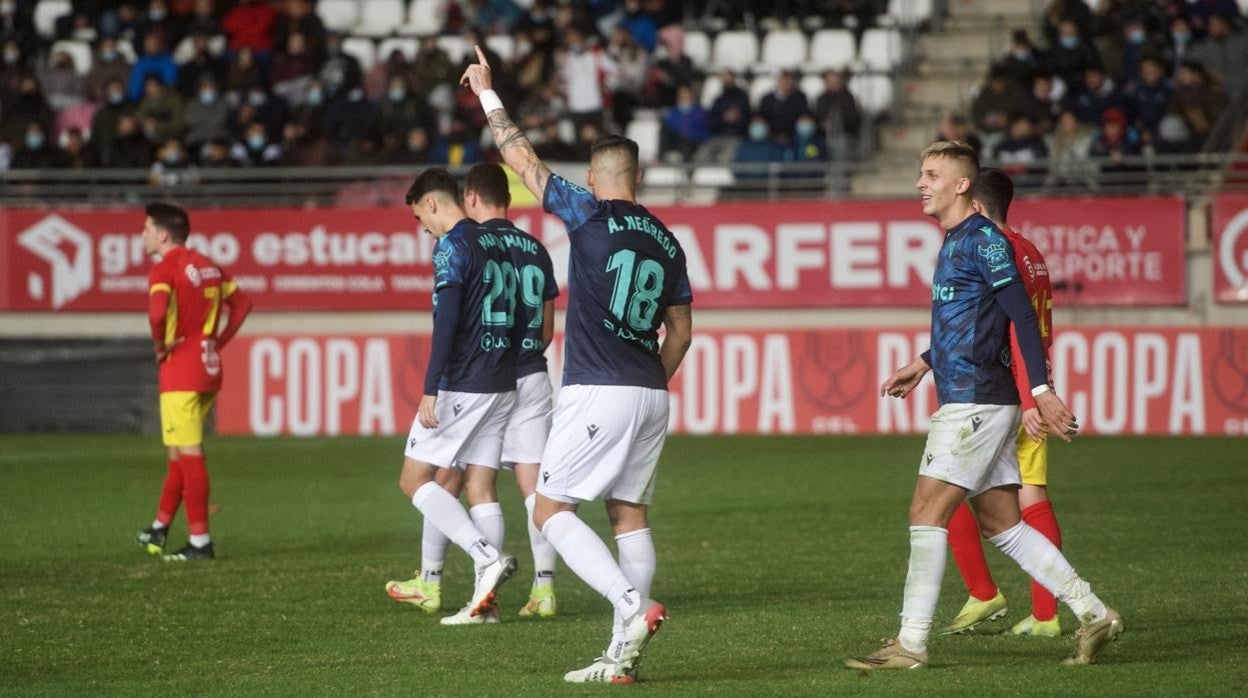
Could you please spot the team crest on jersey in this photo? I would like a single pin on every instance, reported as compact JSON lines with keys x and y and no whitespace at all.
{"x":996,"y":255}
{"x":442,"y":260}
{"x":193,"y":274}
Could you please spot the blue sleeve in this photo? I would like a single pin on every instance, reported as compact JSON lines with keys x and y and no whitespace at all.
{"x":994,"y":257}
{"x":445,"y":325}
{"x":552,"y":285}
{"x":574,"y":205}
{"x":927,"y":357}
{"x":449,"y":263}
{"x":1014,"y":301}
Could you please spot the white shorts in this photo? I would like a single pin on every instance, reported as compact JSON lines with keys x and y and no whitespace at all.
{"x":528,"y":426}
{"x":470,"y":430}
{"x":605,"y":442}
{"x":973,"y":447}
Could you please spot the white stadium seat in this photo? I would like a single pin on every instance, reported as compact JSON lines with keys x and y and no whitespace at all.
{"x":735,"y":50}
{"x":79,"y":51}
{"x":712,"y":177}
{"x":364,"y":50}
{"x":186,"y":48}
{"x":873,"y":92}
{"x":881,"y":49}
{"x":406,"y":45}
{"x":46,"y":14}
{"x":338,"y":15}
{"x":832,"y":48}
{"x":712,"y":86}
{"x":910,"y":13}
{"x":502,"y":44}
{"x":455,"y":46}
{"x":760,"y":87}
{"x":380,"y":17}
{"x":662,"y":176}
{"x":425,"y":18}
{"x":811,"y":86}
{"x":645,"y":133}
{"x":784,"y":49}
{"x":698,"y":48}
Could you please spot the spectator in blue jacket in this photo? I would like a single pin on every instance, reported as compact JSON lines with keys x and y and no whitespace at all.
{"x":157,"y":62}
{"x":684,"y":125}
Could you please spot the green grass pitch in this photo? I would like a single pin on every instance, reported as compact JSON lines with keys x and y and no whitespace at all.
{"x":777,"y":558}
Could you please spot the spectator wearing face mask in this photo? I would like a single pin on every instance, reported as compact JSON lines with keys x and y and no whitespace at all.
{"x":206,"y":115}
{"x":108,"y":65}
{"x":255,"y":149}
{"x":171,"y":164}
{"x":309,"y":113}
{"x":156,"y":62}
{"x":1125,"y":52}
{"x":684,"y":125}
{"x":1071,"y":54}
{"x":808,"y":145}
{"x":1097,"y":94}
{"x":1023,"y":60}
{"x":341,"y":72}
{"x":585,"y":69}
{"x":26,"y":106}
{"x":758,"y":148}
{"x":202,"y":64}
{"x":112,"y":108}
{"x":267,"y":109}
{"x":399,"y":111}
{"x":349,"y":116}
{"x":1179,"y":44}
{"x":37,"y":153}
{"x":161,"y":112}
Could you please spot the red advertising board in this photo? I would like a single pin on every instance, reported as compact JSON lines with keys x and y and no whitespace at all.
{"x":1230,"y":248}
{"x":1117,"y":380}
{"x":741,"y":255}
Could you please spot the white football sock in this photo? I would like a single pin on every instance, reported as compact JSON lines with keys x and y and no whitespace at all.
{"x":489,"y":519}
{"x":637,"y":560}
{"x":586,"y":555}
{"x":445,"y":512}
{"x":199,"y":540}
{"x":928,"y":548}
{"x":157,"y":525}
{"x":1046,"y":564}
{"x":433,"y":544}
{"x":544,"y":554}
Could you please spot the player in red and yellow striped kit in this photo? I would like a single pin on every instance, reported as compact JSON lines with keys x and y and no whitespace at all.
{"x":186,"y":292}
{"x":992,"y":194}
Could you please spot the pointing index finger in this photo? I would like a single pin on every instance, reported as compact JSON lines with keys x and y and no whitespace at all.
{"x":481,"y":56}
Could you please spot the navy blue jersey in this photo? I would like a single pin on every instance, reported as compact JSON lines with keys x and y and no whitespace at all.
{"x":970,"y":331}
{"x":625,"y":269}
{"x":471,"y":259}
{"x":537,"y":285}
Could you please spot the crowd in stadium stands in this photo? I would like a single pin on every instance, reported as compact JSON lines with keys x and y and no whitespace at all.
{"x":1125,"y":79}
{"x":173,"y":84}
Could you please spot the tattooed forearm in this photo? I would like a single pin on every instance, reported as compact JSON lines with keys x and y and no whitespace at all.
{"x":518,"y":152}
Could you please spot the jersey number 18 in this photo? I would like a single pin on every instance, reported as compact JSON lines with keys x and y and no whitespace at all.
{"x":635,"y":299}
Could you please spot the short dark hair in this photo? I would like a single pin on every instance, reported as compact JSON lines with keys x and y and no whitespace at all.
{"x":613,"y":143}
{"x":431,"y":180}
{"x":994,"y":191}
{"x":490,"y":183}
{"x":171,"y":218}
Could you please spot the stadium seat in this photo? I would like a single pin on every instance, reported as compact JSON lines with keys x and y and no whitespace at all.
{"x":455,"y":46}
{"x":662,"y":184}
{"x":645,"y":133}
{"x":186,"y":48}
{"x":735,"y":50}
{"x":502,"y":44}
{"x":79,"y":51}
{"x":338,"y":15}
{"x":407,"y":45}
{"x":698,"y":48}
{"x":380,"y":18}
{"x":364,"y":50}
{"x":873,"y":92}
{"x":760,"y":87}
{"x":712,"y":86}
{"x":881,"y":49}
{"x":784,"y":49}
{"x":425,"y":18}
{"x":46,"y":14}
{"x":832,"y":48}
{"x":712,"y":177}
{"x":910,"y":13}
{"x":811,"y":86}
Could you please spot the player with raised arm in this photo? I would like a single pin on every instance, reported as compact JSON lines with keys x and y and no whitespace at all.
{"x":470,"y":380}
{"x":627,"y":277}
{"x":185,"y":294}
{"x":486,"y":198}
{"x":991,"y":195}
{"x":971,"y":445}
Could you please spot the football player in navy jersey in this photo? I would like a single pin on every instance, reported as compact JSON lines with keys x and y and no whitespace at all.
{"x":486,"y":198}
{"x":470,"y":380}
{"x":626,"y":278}
{"x":977,"y":293}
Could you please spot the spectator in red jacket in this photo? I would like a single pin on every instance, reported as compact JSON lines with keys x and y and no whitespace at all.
{"x":250,"y":24}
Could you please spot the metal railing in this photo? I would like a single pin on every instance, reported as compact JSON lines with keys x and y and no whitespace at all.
{"x":1193,"y":174}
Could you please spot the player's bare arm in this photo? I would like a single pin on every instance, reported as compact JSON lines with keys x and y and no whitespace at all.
{"x":513,"y":145}
{"x":425,"y":411}
{"x":678,"y":321}
{"x":905,"y":380}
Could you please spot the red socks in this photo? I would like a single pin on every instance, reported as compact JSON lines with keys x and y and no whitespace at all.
{"x":968,"y":552}
{"x":170,"y":494}
{"x":1040,"y":517}
{"x":195,"y":493}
